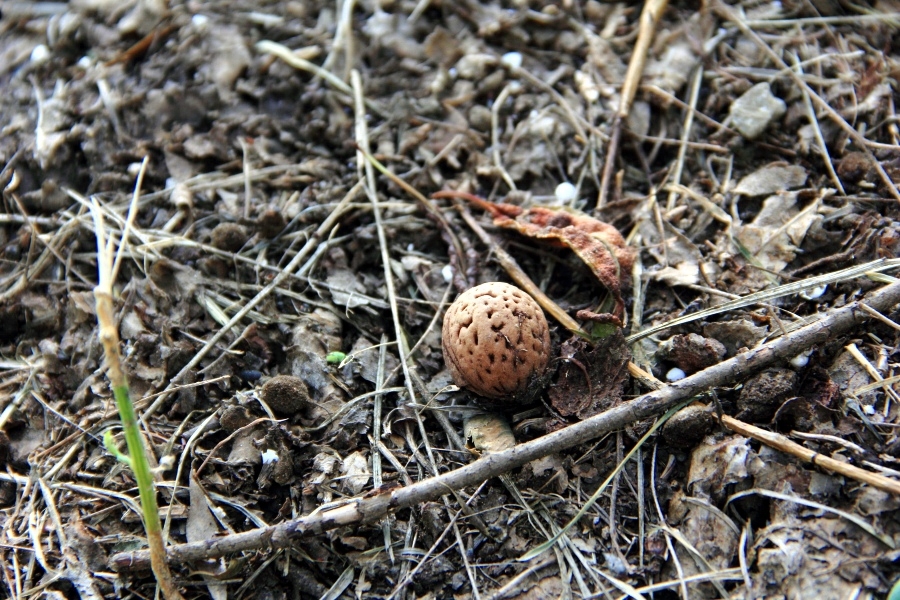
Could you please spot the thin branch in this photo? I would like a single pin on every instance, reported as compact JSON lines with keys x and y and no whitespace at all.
{"x":650,"y":16}
{"x":377,"y":505}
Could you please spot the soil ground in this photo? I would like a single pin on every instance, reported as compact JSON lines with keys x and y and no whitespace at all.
{"x":222,"y":143}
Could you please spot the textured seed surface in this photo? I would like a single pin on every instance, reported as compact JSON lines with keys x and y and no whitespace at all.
{"x":495,"y":339}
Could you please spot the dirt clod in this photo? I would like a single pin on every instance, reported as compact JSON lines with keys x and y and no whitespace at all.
{"x":285,"y":395}
{"x":763,"y":394}
{"x":855,"y":167}
{"x":689,"y":425}
{"x":270,"y":223}
{"x":229,"y":237}
{"x":691,"y":352}
{"x":235,"y":417}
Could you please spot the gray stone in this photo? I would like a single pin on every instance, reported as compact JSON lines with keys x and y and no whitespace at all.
{"x":755,"y":110}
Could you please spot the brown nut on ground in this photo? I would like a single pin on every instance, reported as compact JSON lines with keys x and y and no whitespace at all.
{"x":496,"y":340}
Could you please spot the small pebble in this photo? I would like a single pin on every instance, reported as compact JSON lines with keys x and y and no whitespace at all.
{"x":755,"y":110}
{"x":801,"y":359}
{"x":480,"y":117}
{"x":40,"y":54}
{"x":814,"y":293}
{"x":447,"y":273}
{"x":269,"y":457}
{"x":513,"y":60}
{"x":675,"y":374}
{"x":565,"y":192}
{"x":199,"y":21}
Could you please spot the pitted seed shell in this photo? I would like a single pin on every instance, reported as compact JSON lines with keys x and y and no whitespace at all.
{"x":495,"y":339}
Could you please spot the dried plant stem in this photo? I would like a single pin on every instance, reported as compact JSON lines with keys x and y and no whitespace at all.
{"x":780,"y":442}
{"x":109,"y":338}
{"x":373,"y":507}
{"x":650,"y":16}
{"x":137,"y":456}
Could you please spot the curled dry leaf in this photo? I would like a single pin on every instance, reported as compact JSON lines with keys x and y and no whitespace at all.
{"x":599,"y":245}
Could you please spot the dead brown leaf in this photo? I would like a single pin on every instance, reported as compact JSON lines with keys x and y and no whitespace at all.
{"x":599,"y":245}
{"x":591,"y":378}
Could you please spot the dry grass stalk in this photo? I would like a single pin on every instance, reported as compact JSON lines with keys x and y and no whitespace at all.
{"x":137,"y":457}
{"x":650,"y":16}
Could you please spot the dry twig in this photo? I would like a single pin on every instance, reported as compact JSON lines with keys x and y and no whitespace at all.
{"x":780,"y":442}
{"x":650,"y":16}
{"x":379,"y":503}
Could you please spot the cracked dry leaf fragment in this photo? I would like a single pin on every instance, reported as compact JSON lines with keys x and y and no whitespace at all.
{"x":777,"y":231}
{"x":355,"y":472}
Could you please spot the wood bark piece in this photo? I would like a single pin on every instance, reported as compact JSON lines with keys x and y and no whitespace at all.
{"x":379,"y":503}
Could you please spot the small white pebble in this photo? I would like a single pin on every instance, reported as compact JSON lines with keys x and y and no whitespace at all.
{"x":84,"y":62}
{"x":675,"y":374}
{"x":801,"y":359}
{"x":513,"y":60}
{"x":615,"y":564}
{"x":447,"y":273}
{"x":868,"y":409}
{"x":565,"y":192}
{"x":199,"y":21}
{"x":453,"y":72}
{"x":269,"y":456}
{"x":40,"y":54}
{"x":814,"y":293}
{"x":410,"y":247}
